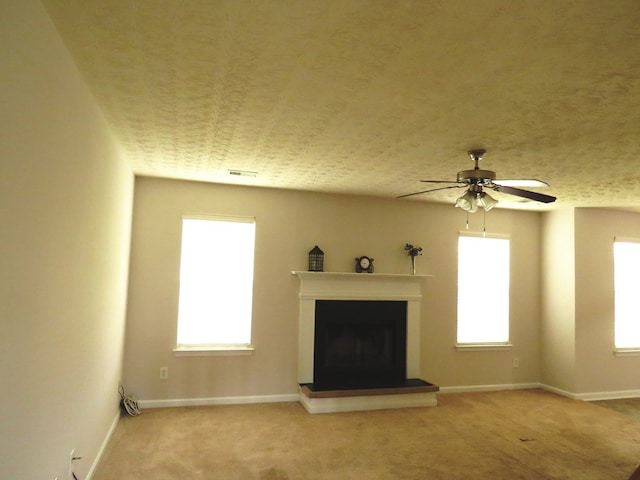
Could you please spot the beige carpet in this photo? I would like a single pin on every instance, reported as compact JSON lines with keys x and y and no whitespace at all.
{"x":628,"y":406}
{"x":528,"y":434}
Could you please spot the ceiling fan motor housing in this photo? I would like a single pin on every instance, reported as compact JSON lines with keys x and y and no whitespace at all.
{"x":481,"y":177}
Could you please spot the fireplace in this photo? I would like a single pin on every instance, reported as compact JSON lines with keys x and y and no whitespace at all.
{"x":378,"y":362}
{"x":359,"y":344}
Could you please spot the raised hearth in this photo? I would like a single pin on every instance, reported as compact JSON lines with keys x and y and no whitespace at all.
{"x":411,"y":385}
{"x":413,"y":393}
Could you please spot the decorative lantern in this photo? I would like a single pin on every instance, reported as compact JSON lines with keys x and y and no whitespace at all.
{"x":316,"y":260}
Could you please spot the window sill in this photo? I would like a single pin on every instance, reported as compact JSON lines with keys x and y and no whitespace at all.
{"x":211,"y":350}
{"x":473,"y":347}
{"x":626,"y":352}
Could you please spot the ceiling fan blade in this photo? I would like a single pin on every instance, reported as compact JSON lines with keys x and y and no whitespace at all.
{"x":538,"y":197}
{"x":430,"y":190}
{"x":439,"y":181}
{"x":520,"y":182}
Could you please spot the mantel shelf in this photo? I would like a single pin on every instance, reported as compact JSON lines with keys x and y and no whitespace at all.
{"x":305,"y":274}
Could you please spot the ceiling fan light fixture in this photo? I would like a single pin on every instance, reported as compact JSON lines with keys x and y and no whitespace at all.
{"x":486,"y":201}
{"x":468,"y":202}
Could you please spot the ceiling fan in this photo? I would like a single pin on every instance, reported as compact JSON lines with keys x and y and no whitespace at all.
{"x":477,"y":180}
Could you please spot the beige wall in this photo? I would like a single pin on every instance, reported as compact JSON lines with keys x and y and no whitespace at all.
{"x":289,"y":224}
{"x":557,"y":327}
{"x":65,"y":206}
{"x":598,"y":370}
{"x":578,"y":304}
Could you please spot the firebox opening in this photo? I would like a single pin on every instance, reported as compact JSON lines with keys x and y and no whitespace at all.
{"x":359,"y":344}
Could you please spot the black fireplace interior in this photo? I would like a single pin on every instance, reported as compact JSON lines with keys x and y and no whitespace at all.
{"x":359,"y":344}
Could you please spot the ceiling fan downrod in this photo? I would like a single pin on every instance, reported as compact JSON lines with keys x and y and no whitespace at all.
{"x":476,"y":156}
{"x":476,"y":176}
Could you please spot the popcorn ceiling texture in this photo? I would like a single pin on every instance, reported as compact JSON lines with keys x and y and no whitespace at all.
{"x":370,"y":96}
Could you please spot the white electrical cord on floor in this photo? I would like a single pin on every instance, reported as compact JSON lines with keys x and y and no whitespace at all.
{"x":128,"y":403}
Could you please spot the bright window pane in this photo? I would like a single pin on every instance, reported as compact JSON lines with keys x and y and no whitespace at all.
{"x":626,"y":257}
{"x":216,"y":282}
{"x":483,"y":290}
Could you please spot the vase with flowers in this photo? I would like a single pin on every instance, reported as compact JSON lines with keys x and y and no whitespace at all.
{"x":413,"y":251}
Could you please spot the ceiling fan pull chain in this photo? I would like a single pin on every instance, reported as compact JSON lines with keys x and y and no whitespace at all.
{"x":484,"y":222}
{"x":467,"y":220}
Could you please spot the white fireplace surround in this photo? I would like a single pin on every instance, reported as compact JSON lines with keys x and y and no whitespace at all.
{"x":357,"y":286}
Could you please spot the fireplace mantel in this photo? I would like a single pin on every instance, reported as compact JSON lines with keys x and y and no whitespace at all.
{"x":359,"y":286}
{"x":304,"y":273}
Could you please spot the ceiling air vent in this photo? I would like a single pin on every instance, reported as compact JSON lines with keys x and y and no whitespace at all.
{"x":243,"y":173}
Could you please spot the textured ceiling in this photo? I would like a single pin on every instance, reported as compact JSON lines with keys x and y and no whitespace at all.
{"x":370,"y":96}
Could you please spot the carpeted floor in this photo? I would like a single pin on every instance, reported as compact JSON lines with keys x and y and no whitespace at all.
{"x":628,"y":406}
{"x":526,"y":434}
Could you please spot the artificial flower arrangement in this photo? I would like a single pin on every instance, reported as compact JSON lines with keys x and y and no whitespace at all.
{"x":413,"y":251}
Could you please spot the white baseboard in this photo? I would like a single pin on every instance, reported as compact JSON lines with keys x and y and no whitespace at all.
{"x":587,"y":397}
{"x":559,"y":391}
{"x":590,"y":397}
{"x":199,"y":402}
{"x":593,"y":396}
{"x":294,"y":397}
{"x":488,"y":388}
{"x":104,"y":445}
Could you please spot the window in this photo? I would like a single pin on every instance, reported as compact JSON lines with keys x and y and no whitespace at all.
{"x":483,"y":290}
{"x":216,"y":284}
{"x":626,"y":265}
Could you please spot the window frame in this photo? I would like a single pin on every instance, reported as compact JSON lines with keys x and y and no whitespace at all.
{"x":216,"y":349}
{"x":484,"y":345}
{"x":621,"y":351}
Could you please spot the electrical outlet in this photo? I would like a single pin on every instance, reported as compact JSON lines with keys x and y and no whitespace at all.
{"x":164,"y":373}
{"x":72,"y":458}
{"x":516,"y":363}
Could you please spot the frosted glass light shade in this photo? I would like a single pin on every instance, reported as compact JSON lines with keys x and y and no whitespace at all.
{"x":467,"y":202}
{"x":486,"y":201}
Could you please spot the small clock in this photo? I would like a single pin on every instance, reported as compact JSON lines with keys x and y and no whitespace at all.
{"x":364,"y":264}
